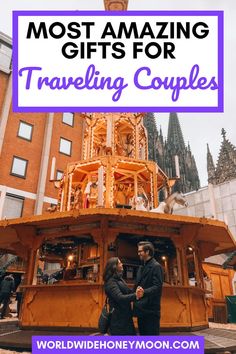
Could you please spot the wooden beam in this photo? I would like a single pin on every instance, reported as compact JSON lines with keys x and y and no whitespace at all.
{"x":134,"y":231}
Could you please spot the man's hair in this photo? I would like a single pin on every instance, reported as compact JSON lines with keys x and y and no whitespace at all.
{"x":147,"y":246}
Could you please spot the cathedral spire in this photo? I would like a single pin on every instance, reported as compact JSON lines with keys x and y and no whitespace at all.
{"x":226,"y":164}
{"x":150,"y":125}
{"x":210,"y":166}
{"x":175,"y":137}
{"x":223,"y":133}
{"x":164,"y":153}
{"x":189,"y":179}
{"x":161,"y":138}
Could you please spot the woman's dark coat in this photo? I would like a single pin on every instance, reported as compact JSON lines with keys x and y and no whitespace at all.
{"x":120,"y":298}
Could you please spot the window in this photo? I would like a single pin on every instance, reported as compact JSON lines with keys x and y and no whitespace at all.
{"x":68,"y":118}
{"x":59,"y":175}
{"x":25,"y":130}
{"x":65,"y":146}
{"x":19,"y":167}
{"x":13,"y":206}
{"x":5,"y":48}
{"x":5,"y":56}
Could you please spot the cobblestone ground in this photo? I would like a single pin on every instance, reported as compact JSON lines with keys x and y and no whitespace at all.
{"x":212,"y":325}
{"x":231,"y":326}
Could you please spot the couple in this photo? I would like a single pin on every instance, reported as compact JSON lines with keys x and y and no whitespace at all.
{"x":146,"y":295}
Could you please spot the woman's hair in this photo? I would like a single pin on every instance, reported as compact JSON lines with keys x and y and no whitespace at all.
{"x":110,"y":269}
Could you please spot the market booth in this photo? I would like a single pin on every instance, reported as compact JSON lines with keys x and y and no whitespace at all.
{"x":107,"y":203}
{"x":85,"y":239}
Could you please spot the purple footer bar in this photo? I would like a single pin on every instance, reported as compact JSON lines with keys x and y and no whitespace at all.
{"x":117,"y":345}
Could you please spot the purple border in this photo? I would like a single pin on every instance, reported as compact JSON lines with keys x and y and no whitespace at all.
{"x":221,"y":61}
{"x":15,"y":106}
{"x":101,"y":349}
{"x":219,"y":108}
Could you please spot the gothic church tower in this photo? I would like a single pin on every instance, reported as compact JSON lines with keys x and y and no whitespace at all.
{"x":165,"y":152}
{"x":225,"y":169}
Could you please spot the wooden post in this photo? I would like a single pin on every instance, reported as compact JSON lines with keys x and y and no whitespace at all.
{"x":179,"y":265}
{"x":34,"y":280}
{"x":100,"y":185}
{"x":153,"y":196}
{"x":104,"y":243}
{"x":31,"y":267}
{"x":69,"y":192}
{"x":135,"y":190}
{"x":91,"y":143}
{"x":109,"y":176}
{"x":155,"y":192}
{"x":166,"y":269}
{"x":97,"y":237}
{"x":179,"y":257}
{"x":185,"y":266}
{"x":66,"y":190}
{"x":197,"y":269}
{"x":62,"y":199}
{"x":136,"y":141}
{"x":109,"y":132}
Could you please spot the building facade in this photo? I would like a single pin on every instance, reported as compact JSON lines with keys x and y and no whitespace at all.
{"x":34,"y":149}
{"x":218,"y":199}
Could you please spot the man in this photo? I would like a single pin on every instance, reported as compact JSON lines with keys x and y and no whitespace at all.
{"x":150,"y":279}
{"x":6,"y":289}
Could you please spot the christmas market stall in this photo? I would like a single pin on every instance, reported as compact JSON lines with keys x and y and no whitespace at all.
{"x":107,"y":203}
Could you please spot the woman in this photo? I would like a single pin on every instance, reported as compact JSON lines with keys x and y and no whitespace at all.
{"x":119,"y":298}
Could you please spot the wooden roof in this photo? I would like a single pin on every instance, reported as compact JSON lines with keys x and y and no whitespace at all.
{"x":18,"y":235}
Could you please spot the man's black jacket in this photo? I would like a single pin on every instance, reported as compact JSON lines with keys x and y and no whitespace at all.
{"x":150,"y":278}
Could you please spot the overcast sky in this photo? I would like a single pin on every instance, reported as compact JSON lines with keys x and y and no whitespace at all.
{"x":198,"y":128}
